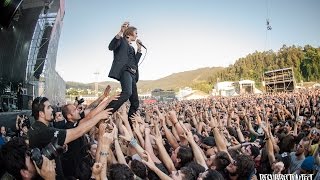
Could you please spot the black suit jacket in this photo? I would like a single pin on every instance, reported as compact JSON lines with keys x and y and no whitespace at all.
{"x":120,"y":48}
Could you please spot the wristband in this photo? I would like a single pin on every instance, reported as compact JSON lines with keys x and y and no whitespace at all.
{"x":133,"y":142}
{"x":103,"y":153}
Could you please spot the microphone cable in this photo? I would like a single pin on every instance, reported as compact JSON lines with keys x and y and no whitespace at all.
{"x":143,"y":57}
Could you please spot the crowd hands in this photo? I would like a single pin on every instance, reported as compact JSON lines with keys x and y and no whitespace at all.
{"x":215,"y":138}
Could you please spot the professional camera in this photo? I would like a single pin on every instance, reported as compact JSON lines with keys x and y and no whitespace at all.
{"x":51,"y":151}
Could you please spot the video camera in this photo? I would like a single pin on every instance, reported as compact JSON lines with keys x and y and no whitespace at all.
{"x":51,"y":151}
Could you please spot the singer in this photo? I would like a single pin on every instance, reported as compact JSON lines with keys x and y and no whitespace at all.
{"x":125,"y":67}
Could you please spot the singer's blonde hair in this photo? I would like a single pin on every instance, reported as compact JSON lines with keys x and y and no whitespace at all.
{"x":129,"y":31}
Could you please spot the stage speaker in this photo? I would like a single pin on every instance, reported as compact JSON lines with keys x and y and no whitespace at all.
{"x":42,"y":54}
{"x":8,"y":8}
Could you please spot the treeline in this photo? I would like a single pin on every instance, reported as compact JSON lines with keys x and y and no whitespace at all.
{"x":304,"y":61}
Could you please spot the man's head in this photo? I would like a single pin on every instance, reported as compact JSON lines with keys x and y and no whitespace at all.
{"x":41,"y":109}
{"x":218,"y":161}
{"x":242,"y":166}
{"x":16,"y":161}
{"x":210,"y":174}
{"x":58,"y":116}
{"x":288,"y":126}
{"x":3,"y":130}
{"x":131,"y":33}
{"x":71,"y":113}
{"x":251,"y":150}
{"x":303,"y":146}
{"x":120,"y":172}
{"x":139,"y":169}
{"x":184,"y":173}
{"x":307,"y":165}
{"x":181,"y":156}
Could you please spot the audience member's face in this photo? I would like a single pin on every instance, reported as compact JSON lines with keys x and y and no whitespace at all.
{"x":59,"y":116}
{"x":211,"y":161}
{"x":3,"y":130}
{"x":247,"y":150}
{"x":232,"y":167}
{"x":301,"y":147}
{"x":287,"y":128}
{"x":177,"y":175}
{"x":210,"y":152}
{"x":48,"y":111}
{"x":93,"y":150}
{"x":74,"y":112}
{"x":31,"y":170}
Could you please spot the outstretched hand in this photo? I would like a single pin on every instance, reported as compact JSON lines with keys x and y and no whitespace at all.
{"x":47,"y":170}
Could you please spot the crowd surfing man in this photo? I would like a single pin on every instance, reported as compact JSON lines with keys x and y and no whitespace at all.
{"x":235,"y":138}
{"x":125,"y":66}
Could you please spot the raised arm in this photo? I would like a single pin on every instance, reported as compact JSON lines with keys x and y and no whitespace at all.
{"x":148,"y":146}
{"x":80,"y":130}
{"x":119,"y":153}
{"x":148,"y":161}
{"x":95,"y":103}
{"x":164,"y":156}
{"x":116,"y":41}
{"x":195,"y":148}
{"x":171,"y":139}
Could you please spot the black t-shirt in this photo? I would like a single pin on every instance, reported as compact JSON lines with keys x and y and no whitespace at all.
{"x":59,"y":124}
{"x":75,"y":153}
{"x":40,"y":135}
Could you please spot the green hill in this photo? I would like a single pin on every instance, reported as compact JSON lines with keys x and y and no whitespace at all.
{"x":305,"y":62}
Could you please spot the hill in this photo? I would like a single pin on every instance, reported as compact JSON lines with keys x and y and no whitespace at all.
{"x":305,"y":62}
{"x":173,"y":81}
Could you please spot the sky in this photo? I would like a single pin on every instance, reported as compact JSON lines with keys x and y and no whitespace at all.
{"x":180,"y":35}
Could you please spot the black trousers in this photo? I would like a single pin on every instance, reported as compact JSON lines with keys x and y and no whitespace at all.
{"x":19,"y":102}
{"x":129,"y":91}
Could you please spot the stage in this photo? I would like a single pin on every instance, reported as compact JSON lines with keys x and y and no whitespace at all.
{"x":8,"y":119}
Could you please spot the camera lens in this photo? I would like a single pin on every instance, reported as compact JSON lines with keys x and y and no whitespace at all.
{"x":36,"y":157}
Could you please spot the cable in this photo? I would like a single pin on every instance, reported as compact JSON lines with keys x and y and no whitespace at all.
{"x":143,"y":57}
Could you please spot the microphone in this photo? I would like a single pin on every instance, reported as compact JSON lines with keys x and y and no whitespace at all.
{"x":141,"y":44}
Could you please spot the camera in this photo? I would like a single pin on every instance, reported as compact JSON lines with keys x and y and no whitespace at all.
{"x":51,"y":151}
{"x":80,"y":101}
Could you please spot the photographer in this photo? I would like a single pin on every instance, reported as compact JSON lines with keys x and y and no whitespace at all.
{"x":72,"y":114}
{"x":40,"y":134}
{"x":59,"y":121}
{"x":17,"y":164}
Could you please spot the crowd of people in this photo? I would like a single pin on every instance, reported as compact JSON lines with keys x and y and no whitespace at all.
{"x":242,"y":137}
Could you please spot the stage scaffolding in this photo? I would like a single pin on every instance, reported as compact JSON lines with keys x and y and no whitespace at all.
{"x":280,"y":80}
{"x":49,"y":84}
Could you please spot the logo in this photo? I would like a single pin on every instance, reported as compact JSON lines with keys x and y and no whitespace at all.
{"x":56,"y":133}
{"x":286,"y":176}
